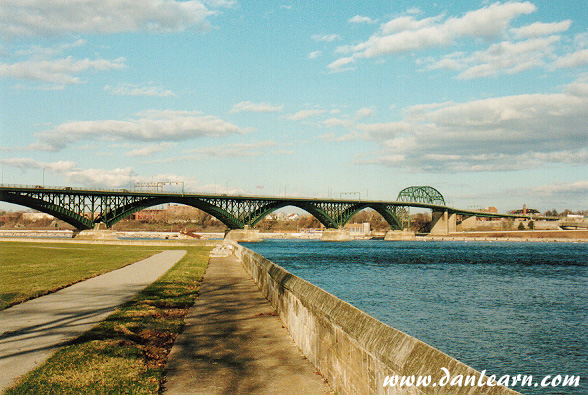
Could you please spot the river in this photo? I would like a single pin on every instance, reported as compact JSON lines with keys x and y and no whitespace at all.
{"x":505,"y":307}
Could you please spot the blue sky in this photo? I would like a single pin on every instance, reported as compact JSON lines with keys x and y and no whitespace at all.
{"x":485,"y":101}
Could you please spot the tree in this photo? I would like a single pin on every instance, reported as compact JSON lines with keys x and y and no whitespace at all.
{"x":521,"y":226}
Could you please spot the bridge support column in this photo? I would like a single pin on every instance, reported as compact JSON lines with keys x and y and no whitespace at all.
{"x":100,"y":234}
{"x":402,"y":235}
{"x":336,"y":235}
{"x":246,"y":235}
{"x":443,"y":223}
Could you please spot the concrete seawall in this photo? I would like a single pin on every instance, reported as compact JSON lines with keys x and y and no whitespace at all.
{"x":354,"y":351}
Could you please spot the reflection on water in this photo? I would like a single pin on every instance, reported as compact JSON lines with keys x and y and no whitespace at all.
{"x":508,"y":308}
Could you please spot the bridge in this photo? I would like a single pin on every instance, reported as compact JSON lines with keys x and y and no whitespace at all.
{"x":86,"y":208}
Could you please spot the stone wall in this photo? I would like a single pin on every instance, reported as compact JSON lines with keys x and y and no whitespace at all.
{"x":352,"y":350}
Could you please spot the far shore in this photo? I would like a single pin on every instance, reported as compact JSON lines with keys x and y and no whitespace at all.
{"x":518,"y":236}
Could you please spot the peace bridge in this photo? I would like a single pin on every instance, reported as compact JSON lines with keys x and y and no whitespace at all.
{"x":88,"y":208}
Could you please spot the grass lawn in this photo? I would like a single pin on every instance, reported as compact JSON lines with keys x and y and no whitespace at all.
{"x":28,"y":270}
{"x":127,"y":352}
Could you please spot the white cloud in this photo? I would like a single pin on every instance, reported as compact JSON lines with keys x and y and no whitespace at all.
{"x":574,"y":59}
{"x":28,"y":163}
{"x":331,"y":137}
{"x":153,"y":125}
{"x":56,"y":17}
{"x":45,"y":52}
{"x":338,"y":65}
{"x":504,"y":133}
{"x":325,"y":37}
{"x":541,"y":29}
{"x":71,"y":174}
{"x":361,"y":19}
{"x":236,"y":150}
{"x":255,"y":107}
{"x":314,"y":55}
{"x":365,"y":112}
{"x":303,"y":114}
{"x":577,"y":188}
{"x":58,"y":71}
{"x":504,"y":57}
{"x":338,"y":122}
{"x":406,"y":33}
{"x":113,"y":178}
{"x":149,"y":150}
{"x":138,"y":90}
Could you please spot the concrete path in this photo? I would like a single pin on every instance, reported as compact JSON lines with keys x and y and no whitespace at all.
{"x":234,"y":343}
{"x":31,"y":331}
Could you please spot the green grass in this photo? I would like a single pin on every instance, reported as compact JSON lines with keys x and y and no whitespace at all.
{"x":126,"y":353}
{"x":29,"y":270}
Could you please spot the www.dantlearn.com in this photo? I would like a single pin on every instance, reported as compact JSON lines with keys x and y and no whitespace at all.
{"x":481,"y":381}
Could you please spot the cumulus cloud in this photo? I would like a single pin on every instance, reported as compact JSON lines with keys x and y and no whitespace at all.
{"x":149,"y":150}
{"x":504,"y":57}
{"x":574,"y":59}
{"x":325,"y":37}
{"x":303,"y":114}
{"x":314,"y":54}
{"x":28,"y":163}
{"x":541,"y":29}
{"x":71,"y":174}
{"x":236,"y":150}
{"x":504,"y":133}
{"x":151,"y":125}
{"x":530,"y":46}
{"x":58,"y":71}
{"x":56,"y":17}
{"x":138,"y":90}
{"x":361,"y":19}
{"x":255,"y":107}
{"x":406,"y":33}
{"x":575,"y":188}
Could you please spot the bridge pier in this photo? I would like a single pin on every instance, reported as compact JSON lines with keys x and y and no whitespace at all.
{"x":400,"y":235}
{"x":246,"y":235}
{"x":443,"y":223}
{"x":336,"y":235}
{"x":96,"y":234}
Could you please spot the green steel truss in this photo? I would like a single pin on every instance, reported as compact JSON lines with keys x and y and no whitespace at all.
{"x":85,"y":208}
{"x":416,"y":194}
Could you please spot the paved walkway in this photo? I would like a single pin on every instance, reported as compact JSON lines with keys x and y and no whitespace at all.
{"x":234,"y":343}
{"x":31,"y":331}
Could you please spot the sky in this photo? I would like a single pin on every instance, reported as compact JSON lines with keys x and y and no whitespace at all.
{"x":485,"y":101}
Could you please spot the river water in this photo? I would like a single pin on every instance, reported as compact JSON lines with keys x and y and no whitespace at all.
{"x":507,"y":308}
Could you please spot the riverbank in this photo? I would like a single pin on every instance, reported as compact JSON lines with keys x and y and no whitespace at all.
{"x":520,"y":235}
{"x":529,"y":235}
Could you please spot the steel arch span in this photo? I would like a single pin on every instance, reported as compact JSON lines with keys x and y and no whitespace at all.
{"x":83,"y":208}
{"x":416,"y":194}
{"x":421,"y":194}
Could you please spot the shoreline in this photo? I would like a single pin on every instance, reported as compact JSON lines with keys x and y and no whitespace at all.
{"x":560,"y":236}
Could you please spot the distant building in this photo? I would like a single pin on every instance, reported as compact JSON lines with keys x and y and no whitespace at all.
{"x":149,"y":215}
{"x":33,"y":217}
{"x":362,"y":229}
{"x":525,"y":211}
